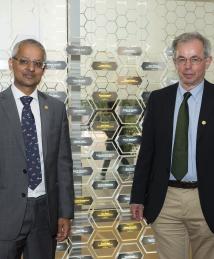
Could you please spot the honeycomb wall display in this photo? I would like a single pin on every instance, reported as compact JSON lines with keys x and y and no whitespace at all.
{"x":125,"y":53}
{"x":104,"y":59}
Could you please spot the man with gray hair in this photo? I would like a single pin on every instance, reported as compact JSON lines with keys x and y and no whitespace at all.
{"x":36,"y":182}
{"x":174,"y":175}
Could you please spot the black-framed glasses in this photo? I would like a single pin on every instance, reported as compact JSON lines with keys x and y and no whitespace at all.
{"x":193,"y":60}
{"x":25,"y":62}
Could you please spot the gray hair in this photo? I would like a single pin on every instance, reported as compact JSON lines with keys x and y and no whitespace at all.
{"x":28,"y":41}
{"x":189,"y":36}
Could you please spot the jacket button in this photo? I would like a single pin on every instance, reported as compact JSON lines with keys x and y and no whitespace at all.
{"x":24,"y":171}
{"x":23,"y":195}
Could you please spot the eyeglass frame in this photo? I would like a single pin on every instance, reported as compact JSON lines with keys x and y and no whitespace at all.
{"x":26,"y":62}
{"x":194,"y":60}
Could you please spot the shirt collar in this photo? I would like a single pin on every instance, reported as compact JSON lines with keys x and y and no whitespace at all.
{"x":195,"y":92}
{"x":18,"y":94}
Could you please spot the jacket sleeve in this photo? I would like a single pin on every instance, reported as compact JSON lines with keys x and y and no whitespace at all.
{"x":145,"y":157}
{"x":65,"y":171}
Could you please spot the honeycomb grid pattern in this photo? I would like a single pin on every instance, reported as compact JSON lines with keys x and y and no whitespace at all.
{"x":130,"y":41}
{"x":124,"y":54}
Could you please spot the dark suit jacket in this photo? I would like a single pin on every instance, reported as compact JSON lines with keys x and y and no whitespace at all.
{"x":57,"y":163}
{"x":153,"y":165}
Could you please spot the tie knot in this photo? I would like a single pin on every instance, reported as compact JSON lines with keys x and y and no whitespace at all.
{"x":26,"y":100}
{"x":187,"y":95}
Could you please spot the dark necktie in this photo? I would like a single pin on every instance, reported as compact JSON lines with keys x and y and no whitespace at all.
{"x":31,"y":144}
{"x":180,"y":150}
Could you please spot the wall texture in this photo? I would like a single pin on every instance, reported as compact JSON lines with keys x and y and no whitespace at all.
{"x":104,"y":58}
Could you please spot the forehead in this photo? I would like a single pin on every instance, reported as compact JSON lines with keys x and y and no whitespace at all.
{"x":30,"y":51}
{"x":189,"y":48}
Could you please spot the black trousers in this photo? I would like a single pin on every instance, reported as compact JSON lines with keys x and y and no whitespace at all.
{"x":34,"y":240}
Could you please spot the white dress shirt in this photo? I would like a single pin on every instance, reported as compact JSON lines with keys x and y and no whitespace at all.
{"x":40,"y":189}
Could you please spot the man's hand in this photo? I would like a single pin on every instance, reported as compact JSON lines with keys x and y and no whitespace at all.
{"x":64,"y":229}
{"x":137,"y":211}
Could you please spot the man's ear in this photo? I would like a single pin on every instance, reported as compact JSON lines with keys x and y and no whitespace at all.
{"x":10,"y":64}
{"x":208,"y":61}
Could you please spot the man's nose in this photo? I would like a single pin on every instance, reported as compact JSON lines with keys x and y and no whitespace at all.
{"x":188,"y":63}
{"x":31,"y":66}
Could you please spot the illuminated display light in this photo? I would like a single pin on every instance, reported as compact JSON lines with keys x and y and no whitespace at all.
{"x":111,"y":66}
{"x":129,"y":80}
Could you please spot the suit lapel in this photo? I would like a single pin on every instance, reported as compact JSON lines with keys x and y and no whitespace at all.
{"x":9,"y":106}
{"x":169,"y":114}
{"x":207,"y":106}
{"x":44,"y":113}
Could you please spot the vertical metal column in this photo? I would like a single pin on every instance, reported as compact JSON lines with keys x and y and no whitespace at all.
{"x":74,"y":89}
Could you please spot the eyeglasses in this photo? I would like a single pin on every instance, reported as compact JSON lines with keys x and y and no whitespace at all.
{"x":25,"y":62}
{"x":193,"y":60}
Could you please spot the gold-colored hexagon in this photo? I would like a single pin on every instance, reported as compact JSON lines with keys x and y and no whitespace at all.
{"x":131,"y":250}
{"x":80,"y":253}
{"x":151,"y":256}
{"x":103,"y":62}
{"x":106,"y":122}
{"x":104,"y":65}
{"x":128,"y":72}
{"x":104,"y":243}
{"x":148,"y":240}
{"x":84,"y":198}
{"x":129,"y":230}
{"x":129,"y":80}
{"x":104,"y":214}
{"x":104,"y":100}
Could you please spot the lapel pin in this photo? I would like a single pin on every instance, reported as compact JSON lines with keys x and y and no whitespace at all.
{"x":203,"y":122}
{"x":46,"y":107}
